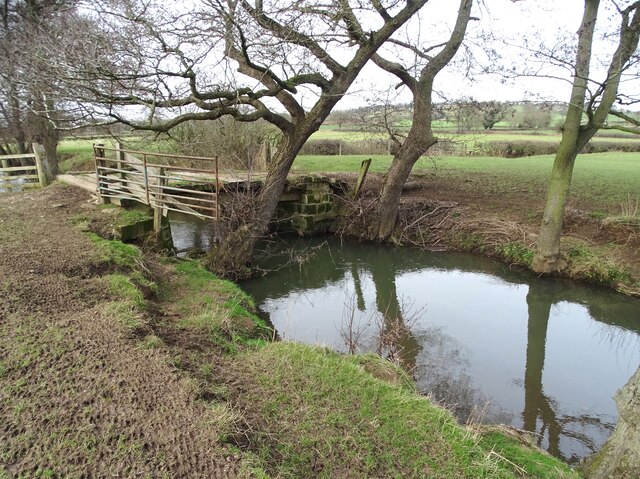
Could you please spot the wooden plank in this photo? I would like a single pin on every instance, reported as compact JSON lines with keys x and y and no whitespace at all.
{"x":22,"y":155}
{"x":184,"y":208}
{"x":19,"y":168}
{"x":132,"y":159}
{"x":86,"y":182}
{"x":201,"y":216}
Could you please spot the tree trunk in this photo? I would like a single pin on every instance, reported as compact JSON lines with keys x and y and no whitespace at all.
{"x":50,"y":143}
{"x":620,"y":456}
{"x":420,"y":137}
{"x":397,"y":176}
{"x":418,"y":141}
{"x":232,"y":256}
{"x":547,"y":258}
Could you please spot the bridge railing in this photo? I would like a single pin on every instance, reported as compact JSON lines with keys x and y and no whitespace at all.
{"x":187,"y":184}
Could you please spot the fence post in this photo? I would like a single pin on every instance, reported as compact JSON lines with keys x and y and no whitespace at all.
{"x":217,"y":198}
{"x":263,"y":158}
{"x":364,"y":168}
{"x":42,"y":165}
{"x":120,"y":162}
{"x":98,"y":156}
{"x":146,"y":177}
{"x":157,"y":207}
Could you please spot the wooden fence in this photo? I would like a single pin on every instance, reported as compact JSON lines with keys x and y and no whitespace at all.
{"x":187,"y":184}
{"x":35,"y":171}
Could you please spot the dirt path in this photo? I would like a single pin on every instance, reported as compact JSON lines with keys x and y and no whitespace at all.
{"x":77,"y":399}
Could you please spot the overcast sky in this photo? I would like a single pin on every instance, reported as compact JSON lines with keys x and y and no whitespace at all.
{"x":548,"y":21}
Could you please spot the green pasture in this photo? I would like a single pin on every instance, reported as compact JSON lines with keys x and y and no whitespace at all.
{"x":607,"y":178}
{"x":482,"y":136}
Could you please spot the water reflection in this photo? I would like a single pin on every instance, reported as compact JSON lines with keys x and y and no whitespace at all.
{"x":395,"y":338}
{"x":536,"y":404}
{"x":502,"y":345}
{"x":11,"y":185}
{"x":191,"y":235}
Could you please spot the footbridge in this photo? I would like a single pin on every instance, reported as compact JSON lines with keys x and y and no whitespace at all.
{"x":202,"y":188}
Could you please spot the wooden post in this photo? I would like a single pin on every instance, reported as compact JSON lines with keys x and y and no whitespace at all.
{"x":98,"y":156}
{"x":157,"y":208}
{"x":42,"y":165}
{"x":218,"y":190}
{"x":364,"y":168}
{"x":263,"y":160}
{"x":120,"y":159}
{"x":267,"y":155}
{"x":146,"y":177}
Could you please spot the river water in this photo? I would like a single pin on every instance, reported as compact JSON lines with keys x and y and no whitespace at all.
{"x":495,"y":344}
{"x":10,"y":185}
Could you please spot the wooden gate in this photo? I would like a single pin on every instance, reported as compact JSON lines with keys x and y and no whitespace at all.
{"x":26,"y":172}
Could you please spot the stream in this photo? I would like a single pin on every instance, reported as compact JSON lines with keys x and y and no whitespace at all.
{"x":10,"y":185}
{"x":492,"y":343}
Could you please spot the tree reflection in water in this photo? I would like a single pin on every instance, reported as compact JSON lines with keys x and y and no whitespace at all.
{"x":541,"y":415}
{"x":440,"y":364}
{"x":480,"y":318}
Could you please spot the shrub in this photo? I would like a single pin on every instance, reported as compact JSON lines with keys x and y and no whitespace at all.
{"x":518,"y":149}
{"x":335,"y":147}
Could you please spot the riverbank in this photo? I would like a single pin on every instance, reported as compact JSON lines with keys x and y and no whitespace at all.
{"x":483,"y":215}
{"x":115,"y":362}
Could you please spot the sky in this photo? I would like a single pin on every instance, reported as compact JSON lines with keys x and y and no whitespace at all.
{"x":501,"y":38}
{"x":551,"y":22}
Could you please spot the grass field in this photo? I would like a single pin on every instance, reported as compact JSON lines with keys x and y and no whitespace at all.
{"x":607,"y":178}
{"x":552,"y":136}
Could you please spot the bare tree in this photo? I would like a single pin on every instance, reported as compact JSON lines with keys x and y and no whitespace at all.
{"x":494,"y":112}
{"x":420,"y":137}
{"x":29,"y":105}
{"x":593,"y":100}
{"x":465,"y":113}
{"x":288,"y":56}
{"x":533,"y":116}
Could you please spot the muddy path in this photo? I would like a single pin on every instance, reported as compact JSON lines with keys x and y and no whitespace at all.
{"x":77,"y":398}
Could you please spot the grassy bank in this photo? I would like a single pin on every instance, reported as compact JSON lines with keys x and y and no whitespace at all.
{"x":292,"y":410}
{"x":128,"y":364}
{"x":322,"y":414}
